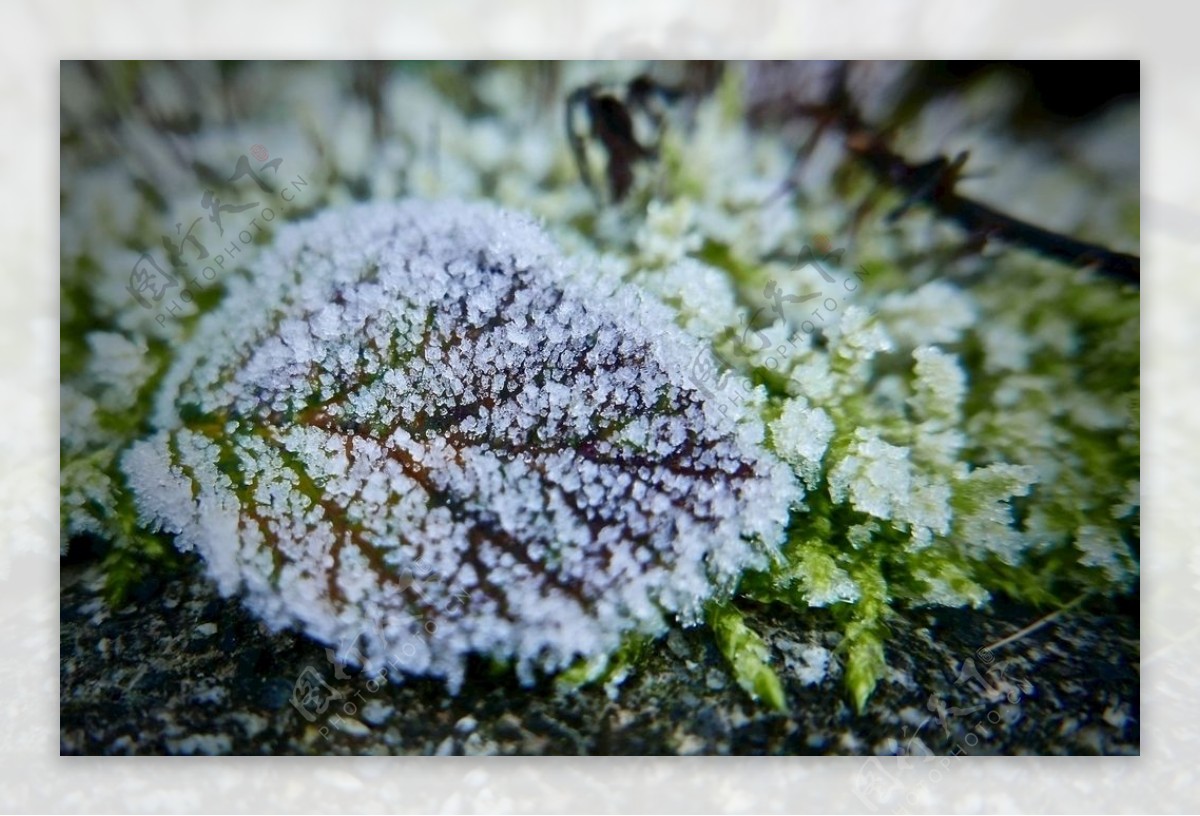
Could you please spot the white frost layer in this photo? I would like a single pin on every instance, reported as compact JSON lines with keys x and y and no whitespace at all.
{"x":418,"y":429}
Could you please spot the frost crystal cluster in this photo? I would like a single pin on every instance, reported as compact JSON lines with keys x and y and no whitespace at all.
{"x":424,"y":416}
{"x":418,"y":427}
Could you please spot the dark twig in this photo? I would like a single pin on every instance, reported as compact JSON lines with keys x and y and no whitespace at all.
{"x":932,"y":184}
{"x":606,"y":115}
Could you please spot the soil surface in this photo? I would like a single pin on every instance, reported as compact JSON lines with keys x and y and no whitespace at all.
{"x":180,"y":670}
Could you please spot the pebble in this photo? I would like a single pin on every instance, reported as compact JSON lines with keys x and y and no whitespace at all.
{"x":376,"y":712}
{"x":677,"y":643}
{"x":208,"y":694}
{"x":349,"y":725}
{"x":252,"y":724}
{"x":475,"y":745}
{"x":690,"y":745}
{"x":123,"y":744}
{"x":201,"y":744}
{"x":275,"y":693}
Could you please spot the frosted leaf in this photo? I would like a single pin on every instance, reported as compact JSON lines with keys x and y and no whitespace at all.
{"x":417,"y":427}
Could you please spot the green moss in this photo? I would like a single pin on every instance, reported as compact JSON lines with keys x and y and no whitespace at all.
{"x":134,"y":554}
{"x":606,"y":669}
{"x":748,"y":656}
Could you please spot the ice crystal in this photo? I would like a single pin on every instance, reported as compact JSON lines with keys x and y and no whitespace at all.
{"x":419,"y":426}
